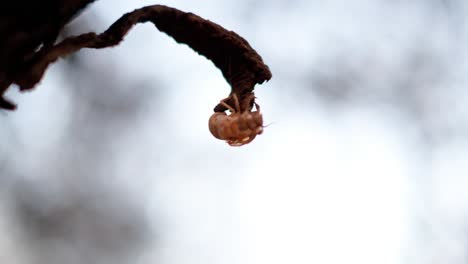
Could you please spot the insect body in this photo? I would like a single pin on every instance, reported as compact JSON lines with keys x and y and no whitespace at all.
{"x":238,"y":128}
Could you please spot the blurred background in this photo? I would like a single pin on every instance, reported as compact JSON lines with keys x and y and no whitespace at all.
{"x":109,"y":159}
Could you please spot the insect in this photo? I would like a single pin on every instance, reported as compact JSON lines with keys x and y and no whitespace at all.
{"x":239,"y":127}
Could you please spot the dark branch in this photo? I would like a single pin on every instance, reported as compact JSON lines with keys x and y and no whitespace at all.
{"x":240,"y":64}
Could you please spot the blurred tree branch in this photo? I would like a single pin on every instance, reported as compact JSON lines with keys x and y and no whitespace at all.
{"x":27,"y":25}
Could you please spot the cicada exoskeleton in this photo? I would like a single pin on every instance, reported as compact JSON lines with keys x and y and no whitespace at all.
{"x":241,"y":126}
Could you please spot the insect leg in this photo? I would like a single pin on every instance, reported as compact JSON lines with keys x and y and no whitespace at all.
{"x":247,"y":102}
{"x":223,"y":103}
{"x":236,"y":102}
{"x":257,"y":107}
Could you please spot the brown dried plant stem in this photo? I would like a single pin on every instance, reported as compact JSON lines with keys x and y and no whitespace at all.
{"x":240,"y":64}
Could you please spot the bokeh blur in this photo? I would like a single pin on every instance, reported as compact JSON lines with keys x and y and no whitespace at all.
{"x":109,"y":159}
